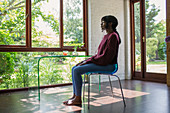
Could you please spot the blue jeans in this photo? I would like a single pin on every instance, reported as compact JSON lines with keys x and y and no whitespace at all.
{"x":77,"y":71}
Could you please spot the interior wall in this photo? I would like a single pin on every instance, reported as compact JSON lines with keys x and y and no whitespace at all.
{"x":120,"y":9}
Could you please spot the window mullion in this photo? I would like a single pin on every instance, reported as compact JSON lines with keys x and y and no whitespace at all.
{"x":85,"y":25}
{"x":28,"y":24}
{"x":61,"y":23}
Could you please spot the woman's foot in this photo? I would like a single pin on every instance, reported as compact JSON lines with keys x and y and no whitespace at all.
{"x":75,"y":101}
{"x":65,"y":102}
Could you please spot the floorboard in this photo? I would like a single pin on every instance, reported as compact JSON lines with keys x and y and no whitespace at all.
{"x":140,"y":96}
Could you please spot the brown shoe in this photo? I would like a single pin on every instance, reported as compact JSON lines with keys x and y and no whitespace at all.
{"x":73,"y":102}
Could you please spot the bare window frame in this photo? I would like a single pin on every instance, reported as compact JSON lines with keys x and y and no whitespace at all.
{"x":28,"y":47}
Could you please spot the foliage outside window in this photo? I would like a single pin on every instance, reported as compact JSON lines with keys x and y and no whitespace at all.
{"x":155,"y":34}
{"x":19,"y":69}
{"x":32,"y":24}
{"x":30,"y":28}
{"x":45,"y":23}
{"x":12,"y":22}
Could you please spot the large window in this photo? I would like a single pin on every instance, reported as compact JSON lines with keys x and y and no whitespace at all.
{"x":43,"y":25}
{"x":19,"y":69}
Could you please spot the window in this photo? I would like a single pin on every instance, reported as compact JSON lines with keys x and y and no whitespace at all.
{"x":43,"y":25}
{"x":12,"y":23}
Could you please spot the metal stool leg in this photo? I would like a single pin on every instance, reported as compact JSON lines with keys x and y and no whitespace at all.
{"x":99,"y":83}
{"x":110,"y":85}
{"x":84,"y":86}
{"x":88,"y":90}
{"x":121,"y":90}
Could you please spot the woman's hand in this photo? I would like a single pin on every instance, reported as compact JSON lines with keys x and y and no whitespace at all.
{"x":81,"y":63}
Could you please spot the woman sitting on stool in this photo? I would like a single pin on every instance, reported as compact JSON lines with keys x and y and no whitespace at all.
{"x":103,"y":61}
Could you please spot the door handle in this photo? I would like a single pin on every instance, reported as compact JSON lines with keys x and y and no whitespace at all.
{"x":143,"y":39}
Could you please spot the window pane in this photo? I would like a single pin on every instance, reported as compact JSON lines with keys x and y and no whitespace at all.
{"x":19,"y":69}
{"x":45,"y":23}
{"x":12,"y":22}
{"x":137,"y":37}
{"x":73,"y":22}
{"x":155,"y":12}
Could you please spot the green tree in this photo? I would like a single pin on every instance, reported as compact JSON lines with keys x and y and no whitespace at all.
{"x":151,"y":11}
{"x":73,"y":20}
{"x":151,"y":48}
{"x":13,"y":19}
{"x":153,"y":29}
{"x":7,"y":64}
{"x":19,"y":68}
{"x":12,"y":31}
{"x":160,"y":35}
{"x":137,"y":22}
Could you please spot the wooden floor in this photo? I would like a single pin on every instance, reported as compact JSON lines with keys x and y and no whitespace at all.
{"x":140,"y":96}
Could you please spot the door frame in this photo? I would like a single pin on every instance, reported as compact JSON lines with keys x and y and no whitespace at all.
{"x":143,"y":75}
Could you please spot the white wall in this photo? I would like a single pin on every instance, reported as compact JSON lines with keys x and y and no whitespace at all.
{"x":120,"y":9}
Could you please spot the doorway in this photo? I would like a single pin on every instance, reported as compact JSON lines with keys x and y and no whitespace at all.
{"x":148,"y":26}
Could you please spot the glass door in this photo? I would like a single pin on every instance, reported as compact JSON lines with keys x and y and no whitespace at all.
{"x":155,"y":23}
{"x":148,"y":34}
{"x":137,"y":37}
{"x":137,"y":43}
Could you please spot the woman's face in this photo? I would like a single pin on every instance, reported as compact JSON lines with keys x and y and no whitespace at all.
{"x":103,"y":25}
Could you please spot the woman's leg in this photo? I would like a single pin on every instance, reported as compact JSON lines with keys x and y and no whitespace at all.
{"x":73,"y":80}
{"x":77,"y":79}
{"x":79,"y":70}
{"x":65,"y":102}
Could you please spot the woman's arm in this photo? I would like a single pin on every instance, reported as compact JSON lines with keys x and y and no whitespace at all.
{"x":85,"y":61}
{"x":109,"y":52}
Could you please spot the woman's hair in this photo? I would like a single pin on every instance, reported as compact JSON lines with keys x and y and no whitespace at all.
{"x":111,"y":19}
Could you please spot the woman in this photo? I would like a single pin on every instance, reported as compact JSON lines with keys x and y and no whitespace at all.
{"x":103,"y":61}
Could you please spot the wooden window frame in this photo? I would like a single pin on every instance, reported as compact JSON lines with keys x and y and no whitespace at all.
{"x":28,"y":47}
{"x":143,"y":75}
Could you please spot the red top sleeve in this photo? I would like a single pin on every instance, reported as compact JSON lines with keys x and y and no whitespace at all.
{"x":107,"y":51}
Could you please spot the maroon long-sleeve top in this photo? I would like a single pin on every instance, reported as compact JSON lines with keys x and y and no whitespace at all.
{"x":107,"y":50}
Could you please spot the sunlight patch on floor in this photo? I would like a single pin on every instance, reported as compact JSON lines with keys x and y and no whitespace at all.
{"x":132,"y":93}
{"x":103,"y":100}
{"x":57,"y":90}
{"x":96,"y":99}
